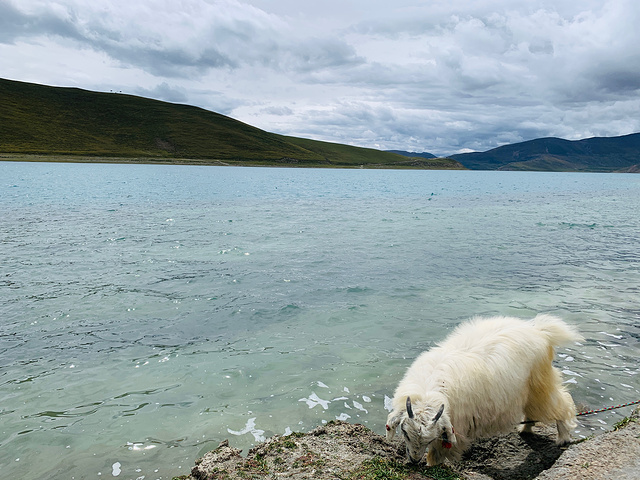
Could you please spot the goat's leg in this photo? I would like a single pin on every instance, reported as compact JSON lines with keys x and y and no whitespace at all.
{"x":528,"y":426}
{"x":564,"y":435}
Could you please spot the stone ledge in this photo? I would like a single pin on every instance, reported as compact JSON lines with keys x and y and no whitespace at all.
{"x":346,"y":451}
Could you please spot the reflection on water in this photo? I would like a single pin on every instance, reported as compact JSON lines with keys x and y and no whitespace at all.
{"x":150,"y":312}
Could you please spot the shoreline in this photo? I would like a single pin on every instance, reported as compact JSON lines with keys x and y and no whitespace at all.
{"x":340,"y":450}
{"x":409,"y":164}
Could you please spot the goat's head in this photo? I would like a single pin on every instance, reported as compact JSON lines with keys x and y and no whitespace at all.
{"x":420,"y":428}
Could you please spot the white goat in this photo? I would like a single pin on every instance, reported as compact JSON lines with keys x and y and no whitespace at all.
{"x":486,"y":377}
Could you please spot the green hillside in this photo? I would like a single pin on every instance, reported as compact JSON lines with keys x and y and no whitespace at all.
{"x":91,"y":126}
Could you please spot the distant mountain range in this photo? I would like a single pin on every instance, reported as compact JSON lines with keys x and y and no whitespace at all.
{"x":47,"y":123}
{"x":598,"y":154}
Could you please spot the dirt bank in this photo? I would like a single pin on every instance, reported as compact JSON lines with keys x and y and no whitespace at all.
{"x":344,"y":451}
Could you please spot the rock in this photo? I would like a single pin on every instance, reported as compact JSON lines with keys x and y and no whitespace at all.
{"x":207,"y":466}
{"x":336,"y":450}
{"x":352,"y":451}
{"x":611,"y":456}
{"x":511,"y":456}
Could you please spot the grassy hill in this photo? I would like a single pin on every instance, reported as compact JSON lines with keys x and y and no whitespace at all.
{"x":598,"y":154}
{"x":91,"y":126}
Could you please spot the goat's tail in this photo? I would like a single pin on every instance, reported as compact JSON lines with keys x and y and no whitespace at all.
{"x":557,"y":331}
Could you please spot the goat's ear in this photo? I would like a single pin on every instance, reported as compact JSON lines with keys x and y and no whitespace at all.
{"x":448,"y":428}
{"x":439,"y":414}
{"x":409,"y":409}
{"x":392,"y":423}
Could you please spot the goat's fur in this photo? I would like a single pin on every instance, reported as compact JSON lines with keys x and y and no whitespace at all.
{"x":490,"y":374}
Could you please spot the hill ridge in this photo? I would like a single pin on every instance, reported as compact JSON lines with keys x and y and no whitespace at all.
{"x":69,"y":121}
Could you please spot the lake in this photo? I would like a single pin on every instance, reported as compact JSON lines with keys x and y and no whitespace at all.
{"x":150,"y":312}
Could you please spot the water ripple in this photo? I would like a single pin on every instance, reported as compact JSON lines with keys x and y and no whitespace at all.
{"x":140,"y":327}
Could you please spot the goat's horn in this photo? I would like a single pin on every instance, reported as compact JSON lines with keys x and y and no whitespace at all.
{"x":439,"y":414}
{"x":409,"y":409}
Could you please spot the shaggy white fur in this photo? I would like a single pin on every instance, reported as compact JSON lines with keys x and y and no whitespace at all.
{"x":490,"y":374}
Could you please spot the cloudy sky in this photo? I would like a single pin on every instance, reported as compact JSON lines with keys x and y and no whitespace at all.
{"x":442,"y":76}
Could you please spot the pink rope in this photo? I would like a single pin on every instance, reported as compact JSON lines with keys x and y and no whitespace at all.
{"x":589,"y":412}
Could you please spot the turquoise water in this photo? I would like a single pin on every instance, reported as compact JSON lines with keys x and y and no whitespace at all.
{"x":149,"y":312}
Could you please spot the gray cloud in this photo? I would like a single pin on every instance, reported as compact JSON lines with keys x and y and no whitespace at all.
{"x":279,"y":111}
{"x":173,"y":47}
{"x":164,"y":92}
{"x":15,"y":24}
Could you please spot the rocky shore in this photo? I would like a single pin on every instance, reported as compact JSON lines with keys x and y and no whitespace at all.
{"x":346,"y":451}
